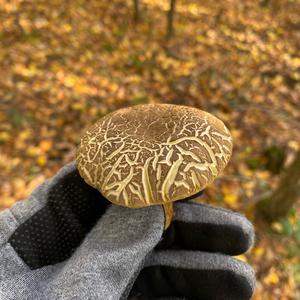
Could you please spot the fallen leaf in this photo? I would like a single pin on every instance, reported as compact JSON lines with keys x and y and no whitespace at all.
{"x":231,"y":199}
{"x":45,"y":145}
{"x":272,"y":277}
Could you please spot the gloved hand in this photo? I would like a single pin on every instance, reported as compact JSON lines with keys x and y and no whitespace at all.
{"x":66,"y":241}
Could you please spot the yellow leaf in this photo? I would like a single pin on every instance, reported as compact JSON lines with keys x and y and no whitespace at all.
{"x":277,"y":227}
{"x":248,"y":187}
{"x":296,"y":62}
{"x":19,"y":183}
{"x":293,"y":219}
{"x":230,"y":199}
{"x":70,"y":81}
{"x":241,"y":257}
{"x":33,"y":151}
{"x":248,"y":173}
{"x":236,"y":133}
{"x":24,"y":135}
{"x":41,"y":160}
{"x":67,"y":27}
{"x":25,"y":71}
{"x":96,"y":28}
{"x":7,"y":201}
{"x":93,"y":111}
{"x":258,"y":251}
{"x":113,"y":87}
{"x":19,"y":188}
{"x":4,"y":136}
{"x":262,"y":174}
{"x":272,"y":277}
{"x":294,"y":145}
{"x":81,"y":88}
{"x":45,"y":145}
{"x":78,"y":106}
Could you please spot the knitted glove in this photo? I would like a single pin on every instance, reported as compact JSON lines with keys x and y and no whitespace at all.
{"x":66,"y":241}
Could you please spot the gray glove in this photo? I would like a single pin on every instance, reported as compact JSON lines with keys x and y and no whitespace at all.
{"x":66,"y":241}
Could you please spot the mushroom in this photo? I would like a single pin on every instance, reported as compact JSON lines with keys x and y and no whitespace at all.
{"x":153,"y":154}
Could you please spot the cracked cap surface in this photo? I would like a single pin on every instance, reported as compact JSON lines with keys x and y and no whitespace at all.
{"x":153,"y":153}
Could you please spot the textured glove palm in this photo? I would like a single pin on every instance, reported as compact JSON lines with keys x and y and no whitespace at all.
{"x":66,"y":241}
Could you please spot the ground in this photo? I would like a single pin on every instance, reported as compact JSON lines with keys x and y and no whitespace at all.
{"x":65,"y":64}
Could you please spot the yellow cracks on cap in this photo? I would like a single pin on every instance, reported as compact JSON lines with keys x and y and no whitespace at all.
{"x":170,"y":178}
{"x":146,"y":182}
{"x":153,"y":154}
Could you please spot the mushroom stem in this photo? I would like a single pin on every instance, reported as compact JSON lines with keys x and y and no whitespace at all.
{"x":169,"y":211}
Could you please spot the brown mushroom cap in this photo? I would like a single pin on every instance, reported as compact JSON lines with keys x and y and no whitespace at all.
{"x":153,"y":153}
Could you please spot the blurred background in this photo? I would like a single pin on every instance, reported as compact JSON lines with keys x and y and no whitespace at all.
{"x":64,"y":64}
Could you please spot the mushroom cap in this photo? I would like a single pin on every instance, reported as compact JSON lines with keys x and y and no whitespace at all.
{"x":153,"y":154}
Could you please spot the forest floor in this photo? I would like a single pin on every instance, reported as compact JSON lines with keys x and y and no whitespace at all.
{"x":65,"y":64}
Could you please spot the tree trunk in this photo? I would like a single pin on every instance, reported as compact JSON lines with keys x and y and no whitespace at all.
{"x":283,"y":198}
{"x":136,"y":14}
{"x":170,"y":19}
{"x":17,"y":22}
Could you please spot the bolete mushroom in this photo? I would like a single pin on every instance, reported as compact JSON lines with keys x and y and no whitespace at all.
{"x":153,"y":154}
